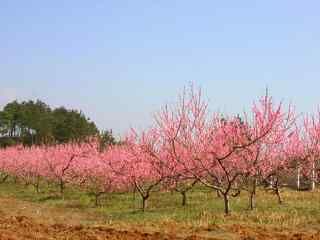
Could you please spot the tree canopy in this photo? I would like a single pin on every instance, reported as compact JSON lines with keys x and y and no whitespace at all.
{"x":35,"y":122}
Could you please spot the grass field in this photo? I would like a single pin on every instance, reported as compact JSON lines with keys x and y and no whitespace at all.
{"x":204,"y":207}
{"x":299,"y":212}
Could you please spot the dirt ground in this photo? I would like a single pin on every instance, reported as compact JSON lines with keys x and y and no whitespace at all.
{"x":21,"y":227}
{"x":24,"y":220}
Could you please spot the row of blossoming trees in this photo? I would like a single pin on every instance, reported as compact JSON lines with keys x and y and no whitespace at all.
{"x":187,"y":146}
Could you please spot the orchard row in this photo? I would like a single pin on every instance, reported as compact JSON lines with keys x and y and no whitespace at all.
{"x":187,"y":146}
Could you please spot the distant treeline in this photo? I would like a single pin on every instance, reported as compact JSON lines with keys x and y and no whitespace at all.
{"x":35,"y":122}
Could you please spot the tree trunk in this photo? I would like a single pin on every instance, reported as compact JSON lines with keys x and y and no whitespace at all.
{"x":298,"y":179}
{"x":96,"y":200}
{"x":226,"y":203}
{"x":38,"y":184}
{"x":252,"y":201}
{"x":277,"y":191}
{"x":144,"y":202}
{"x":4,"y":178}
{"x":279,"y":196}
{"x":184,"y":198}
{"x":37,"y":187}
{"x":313,"y":177}
{"x":252,"y":196}
{"x":61,"y":186}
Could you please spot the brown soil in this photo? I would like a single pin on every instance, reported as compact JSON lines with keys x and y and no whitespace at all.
{"x":261,"y":233}
{"x":24,"y":220}
{"x":18,"y":228}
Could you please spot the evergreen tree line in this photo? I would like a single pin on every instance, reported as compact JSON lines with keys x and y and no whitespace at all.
{"x":35,"y":123}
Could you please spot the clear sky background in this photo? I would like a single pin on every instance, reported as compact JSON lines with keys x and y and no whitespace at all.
{"x":119,"y":61}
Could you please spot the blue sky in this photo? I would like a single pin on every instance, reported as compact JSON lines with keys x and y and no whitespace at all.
{"x":119,"y":61}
